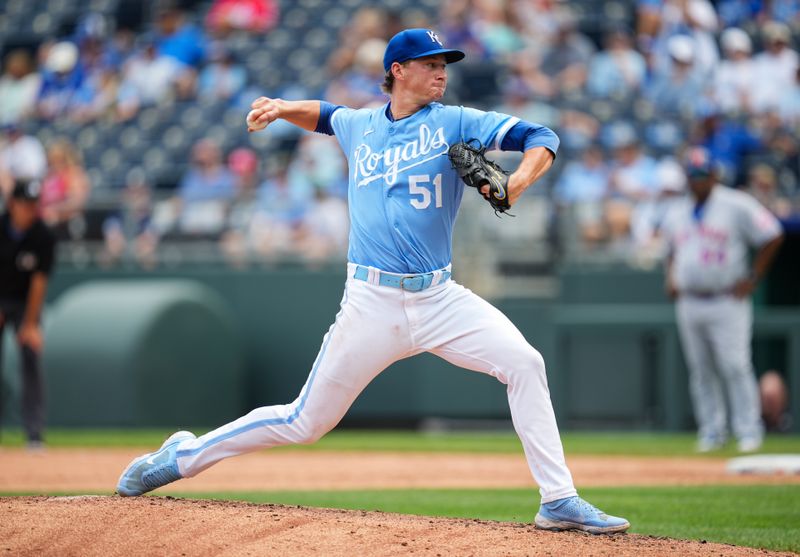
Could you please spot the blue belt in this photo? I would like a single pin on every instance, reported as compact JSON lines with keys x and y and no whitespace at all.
{"x":412,"y":283}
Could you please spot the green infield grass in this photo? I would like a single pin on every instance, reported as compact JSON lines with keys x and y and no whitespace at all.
{"x":590,"y":443}
{"x":755,"y":516}
{"x":765,"y":517}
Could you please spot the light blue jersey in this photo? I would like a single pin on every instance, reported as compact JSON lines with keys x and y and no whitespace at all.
{"x":403,"y":192}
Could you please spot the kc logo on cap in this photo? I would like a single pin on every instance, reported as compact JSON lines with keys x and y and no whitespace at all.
{"x":435,"y":38}
{"x":417,"y":43}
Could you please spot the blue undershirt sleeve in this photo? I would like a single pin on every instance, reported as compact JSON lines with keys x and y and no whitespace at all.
{"x":524,"y":136}
{"x":326,"y":110}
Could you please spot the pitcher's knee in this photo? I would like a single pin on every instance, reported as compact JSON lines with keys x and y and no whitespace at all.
{"x":536,"y":360}
{"x":310,"y":435}
{"x":527,"y":362}
{"x":531,"y":360}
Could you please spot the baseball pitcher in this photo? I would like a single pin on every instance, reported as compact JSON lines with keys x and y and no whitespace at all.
{"x":408,"y":163}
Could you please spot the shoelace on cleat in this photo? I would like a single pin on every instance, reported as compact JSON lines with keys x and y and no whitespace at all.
{"x":160,"y":475}
{"x":590,"y":510}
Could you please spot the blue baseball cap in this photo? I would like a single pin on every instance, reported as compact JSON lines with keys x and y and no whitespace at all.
{"x":417,"y":43}
{"x":698,"y":162}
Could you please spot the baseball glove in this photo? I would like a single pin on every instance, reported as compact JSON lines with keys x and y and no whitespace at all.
{"x":477,"y":171}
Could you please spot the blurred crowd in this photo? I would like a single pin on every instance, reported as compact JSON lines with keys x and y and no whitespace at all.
{"x":626,"y":85}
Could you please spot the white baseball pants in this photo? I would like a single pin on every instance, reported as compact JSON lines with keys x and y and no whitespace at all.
{"x":378,"y":325}
{"x":715,"y":334}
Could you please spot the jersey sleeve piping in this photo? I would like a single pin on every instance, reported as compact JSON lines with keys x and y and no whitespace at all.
{"x":327,"y":111}
{"x":510,"y":123}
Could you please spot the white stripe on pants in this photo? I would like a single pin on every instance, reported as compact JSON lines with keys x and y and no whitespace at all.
{"x":378,"y":325}
{"x":715,"y":334}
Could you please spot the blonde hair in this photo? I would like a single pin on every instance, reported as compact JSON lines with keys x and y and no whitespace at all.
{"x":71,"y":154}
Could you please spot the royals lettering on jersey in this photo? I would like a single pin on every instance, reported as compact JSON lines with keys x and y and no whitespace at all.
{"x":398,"y":159}
{"x":403,"y":193}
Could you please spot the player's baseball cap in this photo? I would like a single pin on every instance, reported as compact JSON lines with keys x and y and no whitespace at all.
{"x":698,"y":162}
{"x":26,"y":190}
{"x":417,"y":43}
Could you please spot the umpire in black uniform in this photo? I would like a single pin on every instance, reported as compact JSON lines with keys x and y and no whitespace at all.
{"x":27,"y":249}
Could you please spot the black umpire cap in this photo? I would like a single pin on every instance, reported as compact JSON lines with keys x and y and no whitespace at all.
{"x":26,"y":190}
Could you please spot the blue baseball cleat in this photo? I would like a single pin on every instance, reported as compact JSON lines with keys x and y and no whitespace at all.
{"x":153,"y":470}
{"x":573,"y":513}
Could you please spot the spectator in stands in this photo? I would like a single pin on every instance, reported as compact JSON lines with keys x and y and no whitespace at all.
{"x":178,"y":38}
{"x":618,"y":71}
{"x":679,"y":89}
{"x":279,"y":214}
{"x":649,"y":215}
{"x":359,"y":87}
{"x":62,"y":81}
{"x":744,"y":12}
{"x":581,"y":191}
{"x":324,"y":230}
{"x":664,"y":136}
{"x":253,"y":16}
{"x":563,"y":66}
{"x":222,"y":78}
{"x":583,"y":180}
{"x":519,"y":100}
{"x":493,"y":27}
{"x":99,"y":89}
{"x":22,"y":157}
{"x":648,"y":23}
{"x":633,"y":180}
{"x":762,"y":183}
{"x":789,"y":104}
{"x":729,"y":142}
{"x":455,"y":25}
{"x":367,"y":23}
{"x":120,"y":47}
{"x":785,"y":11}
{"x":701,"y":22}
{"x":577,"y":129}
{"x":318,"y":163}
{"x":183,"y":42}
{"x":775,"y":67}
{"x":735,"y":75}
{"x":735,"y":13}
{"x":633,"y":172}
{"x":129,"y":233}
{"x":243,"y":164}
{"x":147,"y":80}
{"x":19,"y":85}
{"x":693,"y":18}
{"x":782,"y":153}
{"x":65,"y":190}
{"x":537,"y":20}
{"x":205,"y":192}
{"x":406,"y":17}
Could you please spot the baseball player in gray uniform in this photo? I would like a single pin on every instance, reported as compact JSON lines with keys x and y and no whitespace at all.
{"x":709,"y":234}
{"x":400,"y":299}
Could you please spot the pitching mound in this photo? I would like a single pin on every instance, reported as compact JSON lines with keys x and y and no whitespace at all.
{"x":108,"y":526}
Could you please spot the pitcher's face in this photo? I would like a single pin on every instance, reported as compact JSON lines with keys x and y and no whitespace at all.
{"x":427,"y":77}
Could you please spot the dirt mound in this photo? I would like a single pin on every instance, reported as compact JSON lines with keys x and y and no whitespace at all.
{"x":108,"y":526}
